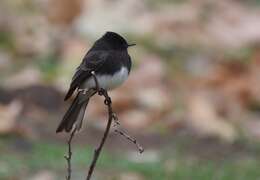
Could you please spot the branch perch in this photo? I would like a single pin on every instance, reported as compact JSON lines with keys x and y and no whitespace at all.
{"x":125,"y":135}
{"x":69,"y":155}
{"x":111,"y":116}
{"x":131,"y":139}
{"x":97,"y":151}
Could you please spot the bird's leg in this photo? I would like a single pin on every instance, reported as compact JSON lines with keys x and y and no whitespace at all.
{"x":108,"y":101}
{"x":101,"y":91}
{"x":96,"y":81}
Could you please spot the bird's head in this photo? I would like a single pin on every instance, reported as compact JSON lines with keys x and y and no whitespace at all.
{"x":113,"y":41}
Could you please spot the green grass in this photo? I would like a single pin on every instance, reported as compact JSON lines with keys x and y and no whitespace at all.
{"x":170,"y":166}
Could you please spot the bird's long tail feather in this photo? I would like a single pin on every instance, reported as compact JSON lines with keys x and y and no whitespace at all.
{"x":75,"y":113}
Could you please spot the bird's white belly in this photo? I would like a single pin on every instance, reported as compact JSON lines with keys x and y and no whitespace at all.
{"x":108,"y":82}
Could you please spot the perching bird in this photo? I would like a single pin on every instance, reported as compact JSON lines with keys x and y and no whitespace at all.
{"x":111,"y":63}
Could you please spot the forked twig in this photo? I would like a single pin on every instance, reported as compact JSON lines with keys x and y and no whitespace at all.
{"x":127,"y":136}
{"x":97,"y":151}
{"x":111,"y":116}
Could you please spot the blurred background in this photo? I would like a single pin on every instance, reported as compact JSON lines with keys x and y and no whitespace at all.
{"x":192,"y":99}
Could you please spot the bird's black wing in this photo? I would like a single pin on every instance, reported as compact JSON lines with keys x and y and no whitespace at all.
{"x":91,"y":62}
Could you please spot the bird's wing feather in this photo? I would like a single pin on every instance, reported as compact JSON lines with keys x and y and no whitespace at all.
{"x":91,"y":62}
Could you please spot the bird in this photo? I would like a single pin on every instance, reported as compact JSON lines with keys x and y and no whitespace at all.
{"x":110,"y":62}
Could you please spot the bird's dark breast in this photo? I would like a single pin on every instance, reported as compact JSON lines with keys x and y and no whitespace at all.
{"x":114,"y":63}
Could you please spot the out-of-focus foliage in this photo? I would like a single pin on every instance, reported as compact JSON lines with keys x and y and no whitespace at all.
{"x":194,"y":86}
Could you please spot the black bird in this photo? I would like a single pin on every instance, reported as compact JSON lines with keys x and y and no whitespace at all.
{"x":110,"y":61}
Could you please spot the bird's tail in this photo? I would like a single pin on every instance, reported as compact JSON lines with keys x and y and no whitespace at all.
{"x":75,"y":113}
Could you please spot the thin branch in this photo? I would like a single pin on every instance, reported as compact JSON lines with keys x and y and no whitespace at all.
{"x":130,"y":138}
{"x":110,"y":119}
{"x":69,"y":155}
{"x":111,"y":116}
{"x":125,"y":135}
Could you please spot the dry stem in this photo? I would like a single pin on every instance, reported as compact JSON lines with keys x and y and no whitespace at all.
{"x":69,"y":155}
{"x":97,"y":151}
{"x":111,"y":116}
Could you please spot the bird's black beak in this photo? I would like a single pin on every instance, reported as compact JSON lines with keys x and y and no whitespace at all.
{"x":131,"y":45}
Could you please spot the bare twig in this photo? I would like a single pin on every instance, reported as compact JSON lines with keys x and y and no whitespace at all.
{"x":110,"y":119}
{"x":128,"y":137}
{"x":125,"y":135}
{"x":69,"y":155}
{"x":111,"y":116}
